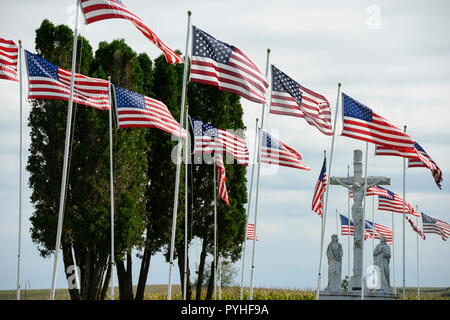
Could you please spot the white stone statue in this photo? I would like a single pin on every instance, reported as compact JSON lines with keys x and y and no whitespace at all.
{"x":334,"y":255}
{"x":381,"y":257}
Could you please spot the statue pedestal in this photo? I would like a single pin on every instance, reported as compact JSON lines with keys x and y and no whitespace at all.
{"x":356,"y":295}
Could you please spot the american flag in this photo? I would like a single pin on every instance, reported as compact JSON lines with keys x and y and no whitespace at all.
{"x":137,"y":110}
{"x":378,"y":230}
{"x":347,"y":228}
{"x":394,"y":203}
{"x":426,"y":161}
{"x":210,"y":139}
{"x":8,"y":60}
{"x":251,"y":232}
{"x":432,"y":225}
{"x":415,"y":227}
{"x":276,"y":152}
{"x":417,"y":157}
{"x":47,"y":81}
{"x":96,"y":10}
{"x":221,"y":178}
{"x":361,"y":123}
{"x":319,"y":191}
{"x":219,"y":64}
{"x":292,"y":99}
{"x":374,"y":191}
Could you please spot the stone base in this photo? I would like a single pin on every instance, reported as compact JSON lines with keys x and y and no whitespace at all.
{"x":356,"y":295}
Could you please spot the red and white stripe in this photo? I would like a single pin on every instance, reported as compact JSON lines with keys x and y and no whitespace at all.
{"x":396,"y":205}
{"x":88,"y":91}
{"x":251,"y":232}
{"x":226,"y":141}
{"x":240,"y":76}
{"x":287,"y":157}
{"x":221,"y":178}
{"x":345,"y":230}
{"x":8,"y":60}
{"x":96,"y":10}
{"x":415,"y":227}
{"x":381,"y":230}
{"x":156,"y":115}
{"x":315,"y":108}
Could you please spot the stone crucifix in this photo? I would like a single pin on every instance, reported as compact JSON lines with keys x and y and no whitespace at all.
{"x":358,"y":185}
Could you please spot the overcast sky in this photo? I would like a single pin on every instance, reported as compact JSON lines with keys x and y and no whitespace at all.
{"x":392,"y":56}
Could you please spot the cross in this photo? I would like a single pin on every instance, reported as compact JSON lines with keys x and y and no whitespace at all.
{"x":358,"y":185}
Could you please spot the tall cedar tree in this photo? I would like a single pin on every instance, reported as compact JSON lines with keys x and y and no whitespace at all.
{"x":86,"y":228}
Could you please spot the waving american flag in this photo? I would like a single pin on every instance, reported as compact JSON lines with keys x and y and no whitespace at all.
{"x":292,"y":99}
{"x":137,"y":110}
{"x":8,"y":60}
{"x":276,"y":152}
{"x":210,"y":139}
{"x":47,"y":81}
{"x":394,"y":203}
{"x":220,"y":166}
{"x":251,"y":232}
{"x":432,"y":225}
{"x":219,"y":64}
{"x":319,"y":191}
{"x":361,"y":123}
{"x":96,"y":10}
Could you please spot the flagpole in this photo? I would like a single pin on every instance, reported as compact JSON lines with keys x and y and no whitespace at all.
{"x":417,"y":241}
{"x":19,"y":250}
{"x":404,"y":200}
{"x":111,"y":183}
{"x":215,"y":230}
{"x":348,"y":233}
{"x":393,"y":253}
{"x":177,"y":179}
{"x":252,"y":275}
{"x":364,"y":225}
{"x":248,"y":210}
{"x":186,"y":152}
{"x":324,"y":216}
{"x":66,"y":156}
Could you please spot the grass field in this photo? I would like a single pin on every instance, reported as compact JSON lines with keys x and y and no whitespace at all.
{"x":159,"y":292}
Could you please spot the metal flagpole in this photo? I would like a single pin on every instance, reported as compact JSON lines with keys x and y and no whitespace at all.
{"x":364,"y":224}
{"x":19,"y":250}
{"x":248,"y":211}
{"x":337,"y":227}
{"x":186,"y":153}
{"x":324,"y":216}
{"x":215,"y":230}
{"x":177,"y":179}
{"x":252,"y":275}
{"x":417,"y":241}
{"x":220,"y":278}
{"x":111,"y":182}
{"x":393,"y":253}
{"x":404,"y":186}
{"x":66,"y":156}
{"x":348,"y":233}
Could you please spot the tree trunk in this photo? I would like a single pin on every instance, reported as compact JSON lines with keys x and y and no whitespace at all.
{"x":143,"y":274}
{"x":210,"y":291}
{"x":125,"y":279}
{"x":201,"y":270}
{"x":70,"y":274}
{"x":181,"y":269}
{"x":106,"y":283}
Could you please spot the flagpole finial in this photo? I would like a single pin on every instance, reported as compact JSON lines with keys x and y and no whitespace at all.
{"x":325,"y":153}
{"x":404,"y":128}
{"x":189,"y":13}
{"x":268,"y":50}
{"x":339,"y":84}
{"x":109,"y":78}
{"x":20,"y":42}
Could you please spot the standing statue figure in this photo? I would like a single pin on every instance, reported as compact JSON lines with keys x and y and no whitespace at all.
{"x":334,"y":255}
{"x":381,"y":257}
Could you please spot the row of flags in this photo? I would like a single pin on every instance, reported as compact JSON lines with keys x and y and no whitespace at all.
{"x":371,"y":229}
